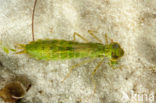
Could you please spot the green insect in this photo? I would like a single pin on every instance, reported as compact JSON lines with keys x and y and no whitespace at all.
{"x":62,"y":49}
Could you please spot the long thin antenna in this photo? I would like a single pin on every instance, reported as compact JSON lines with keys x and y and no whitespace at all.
{"x":33,"y":20}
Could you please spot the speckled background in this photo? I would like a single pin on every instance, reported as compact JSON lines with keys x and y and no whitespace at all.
{"x":131,"y":23}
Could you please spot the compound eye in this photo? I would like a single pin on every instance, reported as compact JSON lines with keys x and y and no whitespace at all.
{"x":114,"y":56}
{"x":115,"y":46}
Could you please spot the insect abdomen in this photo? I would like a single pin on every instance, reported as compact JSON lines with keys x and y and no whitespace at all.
{"x":61,"y":49}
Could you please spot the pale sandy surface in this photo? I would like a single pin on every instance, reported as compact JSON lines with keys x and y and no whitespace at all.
{"x":131,"y":23}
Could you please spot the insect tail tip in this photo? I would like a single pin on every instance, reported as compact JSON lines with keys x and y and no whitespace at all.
{"x":20,"y":52}
{"x":19,"y":46}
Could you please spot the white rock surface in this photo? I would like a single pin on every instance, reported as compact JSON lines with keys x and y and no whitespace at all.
{"x":131,"y":23}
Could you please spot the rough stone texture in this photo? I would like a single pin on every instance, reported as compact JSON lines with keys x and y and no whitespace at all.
{"x":131,"y":23}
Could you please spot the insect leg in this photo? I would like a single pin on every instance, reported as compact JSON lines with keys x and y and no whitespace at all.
{"x":93,"y":73}
{"x":97,"y":67}
{"x":114,"y":65}
{"x":106,"y":39}
{"x":93,"y":35}
{"x":79,"y":36}
{"x":76,"y":65}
